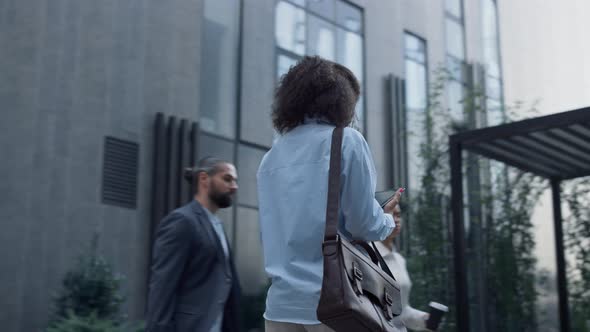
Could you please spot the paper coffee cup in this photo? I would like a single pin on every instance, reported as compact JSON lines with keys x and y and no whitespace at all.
{"x":437,"y":311}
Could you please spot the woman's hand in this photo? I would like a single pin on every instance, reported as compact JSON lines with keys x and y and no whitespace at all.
{"x":393,"y":208}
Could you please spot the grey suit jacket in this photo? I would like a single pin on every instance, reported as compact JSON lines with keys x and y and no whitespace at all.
{"x":190,"y":276}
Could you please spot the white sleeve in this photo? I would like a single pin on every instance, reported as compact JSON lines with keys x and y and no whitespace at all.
{"x":414,"y":319}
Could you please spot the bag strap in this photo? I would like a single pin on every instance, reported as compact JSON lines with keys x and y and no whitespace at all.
{"x":384,"y":266}
{"x":333,"y":206}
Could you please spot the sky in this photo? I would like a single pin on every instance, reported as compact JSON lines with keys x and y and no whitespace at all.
{"x":545,"y":56}
{"x":546,"y":52}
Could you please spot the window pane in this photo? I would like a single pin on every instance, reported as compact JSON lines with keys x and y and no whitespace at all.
{"x":248,"y":161}
{"x":415,"y":85}
{"x":495,"y":112}
{"x":453,"y":7}
{"x":284,"y":62}
{"x":210,"y":146}
{"x":416,"y":99}
{"x":493,"y":88}
{"x":248,"y":252}
{"x":321,"y":39}
{"x":415,"y":48}
{"x":455,"y":68}
{"x":219,"y":67}
{"x":415,"y":137}
{"x":227,"y":217}
{"x":455,"y":44}
{"x":490,"y":37}
{"x":324,"y":8}
{"x":350,"y":52}
{"x":290,"y":27}
{"x":358,"y":122}
{"x":455,"y":99}
{"x":349,"y":16}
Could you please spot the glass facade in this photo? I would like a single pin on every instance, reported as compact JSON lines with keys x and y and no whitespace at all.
{"x":219,"y":67}
{"x":218,"y":120}
{"x":416,"y":102}
{"x":455,"y":54}
{"x":332,"y":29}
{"x":491,"y":56}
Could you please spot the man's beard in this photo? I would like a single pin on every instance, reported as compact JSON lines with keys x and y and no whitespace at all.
{"x":222,"y":200}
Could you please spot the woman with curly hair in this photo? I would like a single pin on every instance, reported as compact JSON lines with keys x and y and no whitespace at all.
{"x":314,"y":97}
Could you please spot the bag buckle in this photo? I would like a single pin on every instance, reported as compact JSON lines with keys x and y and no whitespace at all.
{"x":388,"y":299}
{"x":357,"y":276}
{"x":388,"y":303}
{"x":388,"y":313}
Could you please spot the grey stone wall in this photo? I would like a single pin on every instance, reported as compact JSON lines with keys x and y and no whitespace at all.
{"x":71,"y":72}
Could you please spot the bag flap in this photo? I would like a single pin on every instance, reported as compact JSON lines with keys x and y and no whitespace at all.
{"x":374,"y":280}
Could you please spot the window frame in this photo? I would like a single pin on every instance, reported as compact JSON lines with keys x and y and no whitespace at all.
{"x":281,"y":51}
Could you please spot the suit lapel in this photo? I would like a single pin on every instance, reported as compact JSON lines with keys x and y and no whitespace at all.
{"x":207,"y":225}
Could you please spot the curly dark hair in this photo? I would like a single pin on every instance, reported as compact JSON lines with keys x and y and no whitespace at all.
{"x":315,"y":88}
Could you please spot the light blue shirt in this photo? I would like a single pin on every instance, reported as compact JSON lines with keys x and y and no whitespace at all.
{"x":292,"y":194}
{"x":218,"y":227}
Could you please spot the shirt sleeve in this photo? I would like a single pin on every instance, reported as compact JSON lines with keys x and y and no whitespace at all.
{"x":362,"y":215}
{"x":414,"y":319}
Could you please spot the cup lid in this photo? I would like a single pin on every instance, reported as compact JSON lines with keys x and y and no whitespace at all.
{"x":439,"y":306}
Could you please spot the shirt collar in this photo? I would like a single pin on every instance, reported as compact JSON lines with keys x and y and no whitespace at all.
{"x":315,"y":119}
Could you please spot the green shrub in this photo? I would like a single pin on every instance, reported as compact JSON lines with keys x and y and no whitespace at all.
{"x":89,"y":323}
{"x":91,"y":287}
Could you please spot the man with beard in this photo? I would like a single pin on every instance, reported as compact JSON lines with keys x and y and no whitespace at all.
{"x":193,"y":285}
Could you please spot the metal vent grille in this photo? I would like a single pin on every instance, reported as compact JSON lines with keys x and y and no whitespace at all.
{"x":119,"y":173}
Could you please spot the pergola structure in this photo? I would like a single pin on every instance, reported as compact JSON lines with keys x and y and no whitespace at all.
{"x":556,"y":147}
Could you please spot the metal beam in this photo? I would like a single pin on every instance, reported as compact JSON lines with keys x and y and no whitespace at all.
{"x":564,"y":319}
{"x":461,"y":296}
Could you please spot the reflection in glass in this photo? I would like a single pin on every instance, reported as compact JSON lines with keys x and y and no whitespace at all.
{"x":210,"y":146}
{"x":490,"y":37}
{"x":227,"y":217}
{"x":284,"y":62}
{"x":415,"y":85}
{"x":455,"y":41}
{"x":248,"y":252}
{"x":493,"y":88}
{"x":455,"y":68}
{"x":415,"y":48}
{"x":359,"y":115}
{"x":495,"y":112}
{"x":219,"y":67}
{"x":290,"y":27}
{"x":248,"y":160}
{"x":453,"y":7}
{"x":416,"y":98}
{"x":312,"y":31}
{"x":350,"y":52}
{"x":455,"y":99}
{"x":321,"y":39}
{"x":349,"y":16}
{"x":324,"y":8}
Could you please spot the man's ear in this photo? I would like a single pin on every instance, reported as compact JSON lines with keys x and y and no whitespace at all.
{"x":202,"y":177}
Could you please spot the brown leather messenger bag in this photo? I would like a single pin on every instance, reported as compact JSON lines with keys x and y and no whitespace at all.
{"x":357,"y":294}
